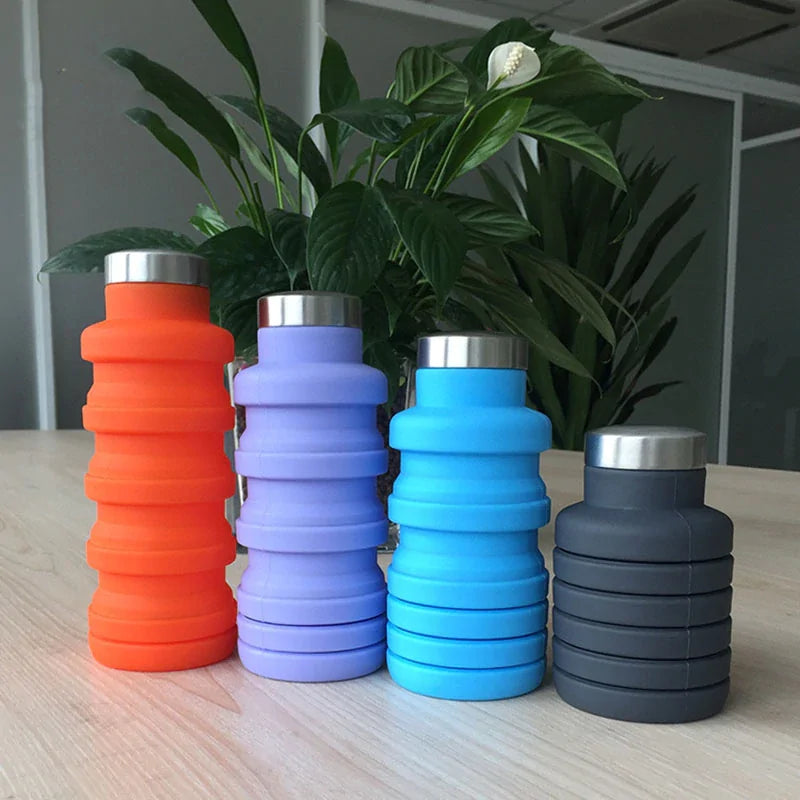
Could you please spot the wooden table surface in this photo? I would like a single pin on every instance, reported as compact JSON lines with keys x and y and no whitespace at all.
{"x":70,"y":728}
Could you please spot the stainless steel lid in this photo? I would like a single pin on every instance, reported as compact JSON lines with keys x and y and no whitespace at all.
{"x":653,"y":447}
{"x":157,"y":266}
{"x":309,"y":308}
{"x":488,"y":350}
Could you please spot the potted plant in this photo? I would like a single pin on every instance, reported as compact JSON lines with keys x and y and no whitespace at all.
{"x":384,"y":224}
{"x":584,"y":221}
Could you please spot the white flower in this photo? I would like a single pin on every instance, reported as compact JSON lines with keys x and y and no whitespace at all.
{"x":512,"y":63}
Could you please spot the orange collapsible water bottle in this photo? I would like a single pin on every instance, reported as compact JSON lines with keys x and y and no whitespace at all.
{"x":159,"y":474}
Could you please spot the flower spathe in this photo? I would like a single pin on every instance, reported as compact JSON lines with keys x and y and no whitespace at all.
{"x":512,"y":64}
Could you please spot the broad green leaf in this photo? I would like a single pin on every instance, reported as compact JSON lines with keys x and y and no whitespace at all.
{"x":649,"y":242}
{"x":426,"y":81}
{"x":221,"y":19}
{"x":431,"y":233}
{"x":87,"y":254}
{"x":337,"y":88}
{"x":349,"y":239}
{"x":167,"y":137}
{"x":243,"y":264}
{"x":567,"y":134}
{"x":491,"y":128}
{"x":562,"y":280}
{"x":486,"y":223}
{"x":286,"y":133}
{"x":639,"y":342}
{"x":456,"y":44}
{"x":179,"y":97}
{"x":208,"y":221}
{"x":516,"y":29}
{"x":395,"y":284}
{"x":289,"y":233}
{"x":570,"y":75}
{"x":241,"y":319}
{"x":433,"y":148}
{"x":377,"y":118}
{"x":375,"y":318}
{"x":673,"y":269}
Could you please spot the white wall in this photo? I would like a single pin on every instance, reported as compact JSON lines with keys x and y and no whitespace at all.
{"x":101,"y":170}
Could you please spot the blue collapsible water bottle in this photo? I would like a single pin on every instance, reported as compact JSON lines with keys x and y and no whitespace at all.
{"x":467,"y":604}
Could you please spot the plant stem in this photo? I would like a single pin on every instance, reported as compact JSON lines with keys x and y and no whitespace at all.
{"x":210,"y":196}
{"x":438,"y":174}
{"x":248,"y":201}
{"x":372,"y":151}
{"x":273,"y":155}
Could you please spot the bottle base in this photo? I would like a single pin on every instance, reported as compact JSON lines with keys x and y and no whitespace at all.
{"x":163,"y":657}
{"x":638,"y":705}
{"x":313,"y":667}
{"x":465,"y":684}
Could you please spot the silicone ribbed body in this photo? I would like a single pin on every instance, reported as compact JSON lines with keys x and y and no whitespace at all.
{"x":642,"y":597}
{"x":469,"y":501}
{"x":159,"y":476}
{"x":312,"y":520}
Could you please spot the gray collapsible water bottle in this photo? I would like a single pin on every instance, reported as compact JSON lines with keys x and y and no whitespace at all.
{"x":641,"y":593}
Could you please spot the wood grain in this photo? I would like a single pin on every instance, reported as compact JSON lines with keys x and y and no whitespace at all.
{"x":70,"y":728}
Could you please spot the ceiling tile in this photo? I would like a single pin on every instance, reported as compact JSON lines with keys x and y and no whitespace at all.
{"x":501,"y":8}
{"x":780,"y":50}
{"x":558,"y":23}
{"x":593,"y":10}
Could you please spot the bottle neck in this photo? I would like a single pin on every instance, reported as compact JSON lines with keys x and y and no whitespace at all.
{"x":646,"y":489}
{"x":309,"y":344}
{"x":157,"y":301}
{"x":470,"y":387}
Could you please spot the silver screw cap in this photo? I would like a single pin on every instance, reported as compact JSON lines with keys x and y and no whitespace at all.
{"x":309,"y":308}
{"x":461,"y":350}
{"x":157,"y":266}
{"x":646,"y":447}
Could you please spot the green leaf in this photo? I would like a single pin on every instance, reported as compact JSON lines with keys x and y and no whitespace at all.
{"x":221,"y":19}
{"x":243,"y":264}
{"x":208,"y":221}
{"x":289,"y":233}
{"x":567,"y":134}
{"x":579,"y":390}
{"x":491,"y":128}
{"x":179,"y":97}
{"x":570,"y":75}
{"x":649,"y":242}
{"x":456,"y":44}
{"x":426,"y":81}
{"x":87,"y":254}
{"x":241,"y":319}
{"x":486,"y":223}
{"x":673,"y":269}
{"x":337,"y":88}
{"x":519,"y":314}
{"x":642,"y":394}
{"x":431,"y":233}
{"x":498,"y":191}
{"x":377,"y":118}
{"x":167,"y":137}
{"x":286,"y":133}
{"x":516,"y":29}
{"x":542,"y":387}
{"x":381,"y":356}
{"x":395,"y":284}
{"x":256,"y":156}
{"x":562,"y":280}
{"x":349,"y":239}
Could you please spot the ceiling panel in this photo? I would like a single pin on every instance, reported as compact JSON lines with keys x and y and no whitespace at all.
{"x":593,"y":10}
{"x":781,"y":50}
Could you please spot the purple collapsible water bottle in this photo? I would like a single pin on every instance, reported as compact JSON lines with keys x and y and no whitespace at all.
{"x":312,"y":600}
